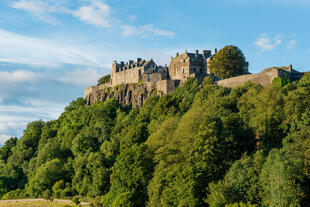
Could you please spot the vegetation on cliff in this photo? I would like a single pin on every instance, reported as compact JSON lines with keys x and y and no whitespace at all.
{"x":104,"y":79}
{"x":201,"y":145}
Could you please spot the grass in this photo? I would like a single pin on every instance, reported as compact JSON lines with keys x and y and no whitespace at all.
{"x":36,"y":204}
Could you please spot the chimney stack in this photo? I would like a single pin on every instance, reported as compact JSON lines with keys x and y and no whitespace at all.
{"x":290,"y":67}
{"x":196,"y":54}
{"x":177,"y":54}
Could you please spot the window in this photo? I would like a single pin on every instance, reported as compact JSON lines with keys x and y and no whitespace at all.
{"x":183,"y":70}
{"x":139,"y":72}
{"x":148,"y":77}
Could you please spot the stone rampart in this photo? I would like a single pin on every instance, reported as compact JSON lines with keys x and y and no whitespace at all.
{"x":263,"y":78}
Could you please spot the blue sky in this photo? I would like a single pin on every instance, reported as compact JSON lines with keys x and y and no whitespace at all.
{"x":51,"y":50}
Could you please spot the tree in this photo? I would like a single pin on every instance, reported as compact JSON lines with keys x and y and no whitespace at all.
{"x":228,"y":62}
{"x":104,"y":79}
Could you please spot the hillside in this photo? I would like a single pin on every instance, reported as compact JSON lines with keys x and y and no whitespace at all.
{"x":200,"y":145}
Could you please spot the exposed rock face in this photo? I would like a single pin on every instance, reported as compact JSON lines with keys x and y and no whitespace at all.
{"x":126,"y":94}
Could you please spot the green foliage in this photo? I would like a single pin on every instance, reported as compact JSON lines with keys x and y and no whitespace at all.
{"x":228,"y":62}
{"x":200,"y":145}
{"x":6,"y":150}
{"x":45,"y":177}
{"x":280,"y":82}
{"x":131,"y":173}
{"x":76,"y":200}
{"x":104,"y":79}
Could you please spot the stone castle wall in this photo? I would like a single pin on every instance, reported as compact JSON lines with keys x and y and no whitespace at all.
{"x":127,"y":76}
{"x":263,"y":79}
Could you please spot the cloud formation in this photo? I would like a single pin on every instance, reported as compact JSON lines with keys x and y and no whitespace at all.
{"x":291,"y":44}
{"x":3,"y":138}
{"x":42,"y":52}
{"x":145,"y":31}
{"x":19,"y":76}
{"x":96,"y":13}
{"x":81,"y":77}
{"x":39,"y":8}
{"x":266,"y":43}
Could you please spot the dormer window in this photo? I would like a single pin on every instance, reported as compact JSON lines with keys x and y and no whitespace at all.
{"x":183,"y":70}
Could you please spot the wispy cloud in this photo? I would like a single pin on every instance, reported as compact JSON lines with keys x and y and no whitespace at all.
{"x":38,"y":51}
{"x":291,"y":44}
{"x":3,"y":138}
{"x":81,"y":77}
{"x":19,"y":76}
{"x":265,"y":43}
{"x":98,"y":14}
{"x":145,"y":31}
{"x":132,"y":18}
{"x":40,"y":9}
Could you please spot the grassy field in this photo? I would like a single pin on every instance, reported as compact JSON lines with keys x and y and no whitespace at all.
{"x":36,"y":204}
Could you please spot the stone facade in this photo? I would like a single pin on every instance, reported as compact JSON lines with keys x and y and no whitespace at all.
{"x":189,"y":65}
{"x":131,"y":72}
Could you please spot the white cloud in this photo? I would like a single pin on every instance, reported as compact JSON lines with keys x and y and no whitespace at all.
{"x":132,"y":18}
{"x":291,"y":44}
{"x":266,"y":43}
{"x":81,"y":77}
{"x":21,"y":49}
{"x":19,"y":76}
{"x":98,"y":14}
{"x":145,"y":30}
{"x":3,"y":138}
{"x":38,"y":8}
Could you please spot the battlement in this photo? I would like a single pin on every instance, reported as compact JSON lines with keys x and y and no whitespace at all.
{"x":129,"y":65}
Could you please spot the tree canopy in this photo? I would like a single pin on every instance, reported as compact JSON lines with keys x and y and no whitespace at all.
{"x":228,"y":62}
{"x":198,"y":146}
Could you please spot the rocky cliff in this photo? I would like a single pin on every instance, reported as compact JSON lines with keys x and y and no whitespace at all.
{"x":126,"y":94}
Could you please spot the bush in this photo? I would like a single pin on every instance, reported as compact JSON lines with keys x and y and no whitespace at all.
{"x":104,"y":79}
{"x":76,"y":200}
{"x":47,"y":194}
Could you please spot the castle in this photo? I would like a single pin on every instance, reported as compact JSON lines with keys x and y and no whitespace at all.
{"x":138,"y":80}
{"x":181,"y":67}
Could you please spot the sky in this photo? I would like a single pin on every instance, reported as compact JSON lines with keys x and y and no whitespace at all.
{"x":51,"y":50}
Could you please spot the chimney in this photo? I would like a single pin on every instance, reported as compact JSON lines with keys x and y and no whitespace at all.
{"x":177,"y":54}
{"x":215,"y":50}
{"x":206,"y":53}
{"x":196,"y":54}
{"x":290,"y":68}
{"x":130,"y":62}
{"x":138,"y":60}
{"x":122,"y":63}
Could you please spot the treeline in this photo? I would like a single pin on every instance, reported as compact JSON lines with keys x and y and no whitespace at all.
{"x":199,"y":146}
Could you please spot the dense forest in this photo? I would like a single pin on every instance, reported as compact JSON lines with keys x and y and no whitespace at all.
{"x":203,"y":145}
